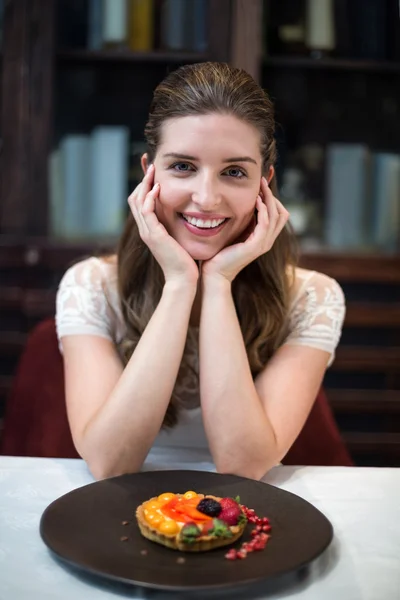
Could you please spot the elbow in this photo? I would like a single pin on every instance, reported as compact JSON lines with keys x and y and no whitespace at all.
{"x":253,"y":465}
{"x":253,"y":470}
{"x":102,"y":470}
{"x":102,"y":466}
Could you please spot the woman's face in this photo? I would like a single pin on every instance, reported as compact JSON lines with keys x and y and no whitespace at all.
{"x":209,"y":170}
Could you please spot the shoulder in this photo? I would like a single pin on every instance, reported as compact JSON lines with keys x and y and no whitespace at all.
{"x":317,"y":311}
{"x":87,"y":299}
{"x":312,"y":287}
{"x":91,"y":273}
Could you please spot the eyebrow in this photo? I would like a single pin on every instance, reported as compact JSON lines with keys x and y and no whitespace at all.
{"x":226,"y":160}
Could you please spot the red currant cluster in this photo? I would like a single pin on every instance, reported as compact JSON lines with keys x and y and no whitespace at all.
{"x":259,"y":534}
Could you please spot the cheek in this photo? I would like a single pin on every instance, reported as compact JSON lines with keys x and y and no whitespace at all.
{"x":171,"y":194}
{"x":165,"y":202}
{"x":248,"y":204}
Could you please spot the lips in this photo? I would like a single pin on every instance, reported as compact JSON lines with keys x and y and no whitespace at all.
{"x":203,"y":231}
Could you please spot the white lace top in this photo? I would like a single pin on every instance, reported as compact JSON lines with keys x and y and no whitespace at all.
{"x":88,"y":303}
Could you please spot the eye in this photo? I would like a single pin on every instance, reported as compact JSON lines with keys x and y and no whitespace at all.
{"x":182,"y":167}
{"x":236,"y":172}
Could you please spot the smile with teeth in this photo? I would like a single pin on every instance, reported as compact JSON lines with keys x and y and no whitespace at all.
{"x":201,"y":224}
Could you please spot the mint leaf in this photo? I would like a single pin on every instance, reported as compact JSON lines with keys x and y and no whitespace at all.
{"x":220,"y":529}
{"x":242,"y":519}
{"x":189,"y":533}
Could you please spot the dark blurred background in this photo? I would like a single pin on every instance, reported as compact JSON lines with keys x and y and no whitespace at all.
{"x":76,"y":79}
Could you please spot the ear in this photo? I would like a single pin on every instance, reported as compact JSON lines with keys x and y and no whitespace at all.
{"x":270,"y":175}
{"x":144,"y":161}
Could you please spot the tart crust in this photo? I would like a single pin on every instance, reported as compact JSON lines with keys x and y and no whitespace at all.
{"x":202,"y":544}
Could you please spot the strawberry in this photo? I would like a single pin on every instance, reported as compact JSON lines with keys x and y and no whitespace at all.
{"x":230,"y":514}
{"x":207,"y":527}
{"x":225,"y":502}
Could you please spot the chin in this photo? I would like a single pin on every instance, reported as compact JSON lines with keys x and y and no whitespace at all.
{"x":202,"y":253}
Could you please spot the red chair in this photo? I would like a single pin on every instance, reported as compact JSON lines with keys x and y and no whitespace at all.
{"x":36,"y":421}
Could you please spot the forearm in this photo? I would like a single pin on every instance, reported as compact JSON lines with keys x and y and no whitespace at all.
{"x":119,"y":436}
{"x":240,"y":435}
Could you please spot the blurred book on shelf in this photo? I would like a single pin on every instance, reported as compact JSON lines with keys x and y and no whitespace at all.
{"x":173,"y":18}
{"x":385,"y":221}
{"x":136,"y":25}
{"x":95,"y":25}
{"x":115,"y":24}
{"x":198,"y":25}
{"x":347,"y":186}
{"x":348,"y":29}
{"x":72,"y":200}
{"x":319,"y":27}
{"x":88,"y":184}
{"x":140,"y":27}
{"x":184,"y":25}
{"x":362,"y":198}
{"x":109,"y":154}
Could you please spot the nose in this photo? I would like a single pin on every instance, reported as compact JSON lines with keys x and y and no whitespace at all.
{"x":207,"y":195}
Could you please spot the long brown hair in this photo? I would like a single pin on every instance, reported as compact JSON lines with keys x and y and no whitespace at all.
{"x":261,"y":290}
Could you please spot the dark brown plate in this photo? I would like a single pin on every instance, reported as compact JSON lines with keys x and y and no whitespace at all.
{"x":84,"y":528}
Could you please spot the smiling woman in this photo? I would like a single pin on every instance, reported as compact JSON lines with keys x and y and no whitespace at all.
{"x":197,"y":331}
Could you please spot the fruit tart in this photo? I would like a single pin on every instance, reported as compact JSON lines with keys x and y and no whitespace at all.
{"x":191,"y":522}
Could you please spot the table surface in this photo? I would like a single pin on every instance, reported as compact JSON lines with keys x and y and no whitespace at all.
{"x":362,"y":562}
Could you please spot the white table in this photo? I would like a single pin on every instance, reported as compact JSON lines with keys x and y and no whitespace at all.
{"x":363,"y":504}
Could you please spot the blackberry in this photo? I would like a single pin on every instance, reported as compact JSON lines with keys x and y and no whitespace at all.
{"x":209,"y":506}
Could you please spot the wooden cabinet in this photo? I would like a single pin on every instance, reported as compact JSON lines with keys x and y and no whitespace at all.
{"x":364,"y":382}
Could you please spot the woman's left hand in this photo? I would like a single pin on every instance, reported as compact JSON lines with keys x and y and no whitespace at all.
{"x":271,"y":219}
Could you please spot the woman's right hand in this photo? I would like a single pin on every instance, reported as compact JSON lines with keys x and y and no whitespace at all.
{"x":177,"y":265}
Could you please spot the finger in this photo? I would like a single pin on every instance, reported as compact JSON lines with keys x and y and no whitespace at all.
{"x":132,"y":197}
{"x":132,"y":201}
{"x":147,"y":213}
{"x":263,"y":218}
{"x":261,"y":223}
{"x":146,"y":185}
{"x":283,"y":216}
{"x":149,"y":201}
{"x":270,"y":202}
{"x":264,"y":188}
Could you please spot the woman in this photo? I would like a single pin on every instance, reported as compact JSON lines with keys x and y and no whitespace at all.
{"x":201,"y":330}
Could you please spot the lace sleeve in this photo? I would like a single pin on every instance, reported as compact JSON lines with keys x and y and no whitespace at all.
{"x":81,"y":304}
{"x":317,"y":314}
